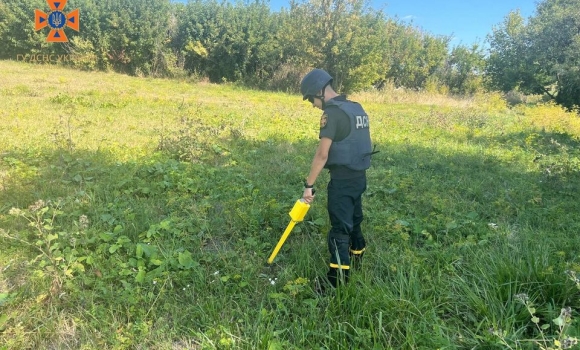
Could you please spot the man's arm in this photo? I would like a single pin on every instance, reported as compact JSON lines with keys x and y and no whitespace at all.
{"x":318,"y":163}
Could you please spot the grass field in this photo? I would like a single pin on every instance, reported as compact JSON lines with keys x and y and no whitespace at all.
{"x":139,"y":213}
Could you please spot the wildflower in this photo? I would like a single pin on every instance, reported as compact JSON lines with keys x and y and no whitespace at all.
{"x":216,"y":273}
{"x":301,"y":280}
{"x":569,"y":343}
{"x":83,"y":222}
{"x":154,"y":282}
{"x":566,"y":312}
{"x":15,"y":211}
{"x":272,"y":281}
{"x":523,"y":297}
{"x":492,"y":225}
{"x":39,"y":204}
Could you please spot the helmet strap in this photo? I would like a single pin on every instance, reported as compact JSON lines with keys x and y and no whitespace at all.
{"x":321,"y":97}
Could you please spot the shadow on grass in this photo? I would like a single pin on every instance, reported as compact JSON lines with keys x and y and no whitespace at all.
{"x":244,"y":189}
{"x":214,"y":220}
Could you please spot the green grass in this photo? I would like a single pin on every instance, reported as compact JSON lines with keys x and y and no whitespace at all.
{"x":162,"y":200}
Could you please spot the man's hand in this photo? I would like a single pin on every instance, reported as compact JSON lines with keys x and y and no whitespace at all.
{"x":308,"y":196}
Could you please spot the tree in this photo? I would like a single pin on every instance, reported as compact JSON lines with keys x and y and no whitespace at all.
{"x":228,"y":42}
{"x":342,"y":36}
{"x":133,"y":33}
{"x":555,"y":31}
{"x":414,"y":56}
{"x":88,"y":45}
{"x":463,"y":73}
{"x":540,"y":56}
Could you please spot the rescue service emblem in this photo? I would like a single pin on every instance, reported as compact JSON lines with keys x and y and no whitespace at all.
{"x":323,"y":121}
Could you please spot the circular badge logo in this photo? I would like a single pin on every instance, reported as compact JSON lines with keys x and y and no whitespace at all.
{"x":56,"y":20}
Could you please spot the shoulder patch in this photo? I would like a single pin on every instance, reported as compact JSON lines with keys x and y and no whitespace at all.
{"x":323,"y":120}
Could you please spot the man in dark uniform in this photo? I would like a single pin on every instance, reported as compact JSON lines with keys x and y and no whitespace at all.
{"x":345,"y":150}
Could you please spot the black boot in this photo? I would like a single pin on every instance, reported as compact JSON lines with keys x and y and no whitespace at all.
{"x":334,"y":278}
{"x":337,"y":277}
{"x":322,"y":286}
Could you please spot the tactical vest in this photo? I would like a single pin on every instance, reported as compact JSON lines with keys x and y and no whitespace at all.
{"x":355,"y":150}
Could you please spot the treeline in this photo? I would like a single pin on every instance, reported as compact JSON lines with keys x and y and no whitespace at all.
{"x":247,"y":42}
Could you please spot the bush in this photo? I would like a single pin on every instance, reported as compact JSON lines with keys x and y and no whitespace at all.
{"x":287,"y":78}
{"x":82,"y":54}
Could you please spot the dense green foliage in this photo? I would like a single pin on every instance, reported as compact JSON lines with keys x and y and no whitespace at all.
{"x":227,"y":41}
{"x":540,"y":55}
{"x":138,"y":213}
{"x":242,"y":42}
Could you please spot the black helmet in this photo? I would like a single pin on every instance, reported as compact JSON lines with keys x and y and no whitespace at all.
{"x":313,"y":82}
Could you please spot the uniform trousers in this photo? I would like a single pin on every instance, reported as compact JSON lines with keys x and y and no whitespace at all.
{"x":346,"y":243}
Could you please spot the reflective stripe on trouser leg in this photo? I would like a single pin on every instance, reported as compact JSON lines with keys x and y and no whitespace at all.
{"x":338,"y":247}
{"x":357,"y":240}
{"x":356,"y":252}
{"x":356,"y":258}
{"x":339,"y":261}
